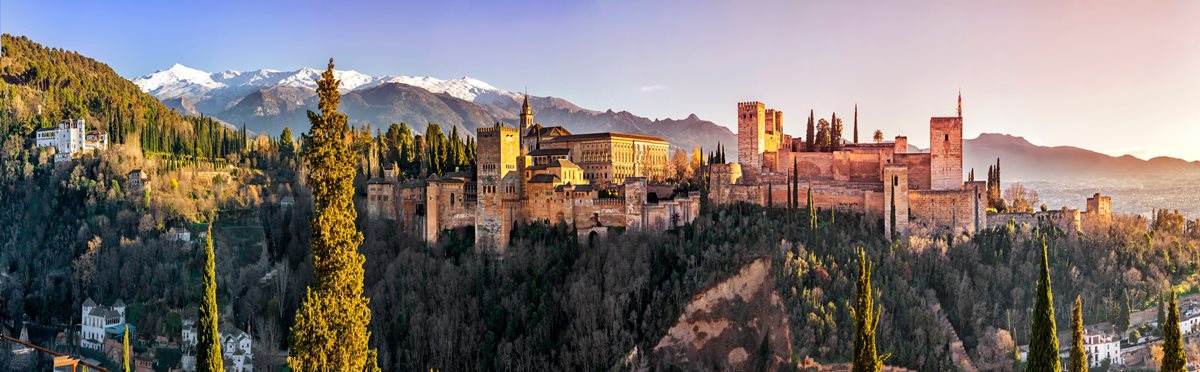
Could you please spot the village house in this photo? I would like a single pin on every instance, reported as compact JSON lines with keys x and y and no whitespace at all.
{"x":1102,"y":343}
{"x":99,"y":321}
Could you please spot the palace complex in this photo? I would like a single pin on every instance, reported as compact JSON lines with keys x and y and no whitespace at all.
{"x":592,"y":181}
{"x":882,"y":179}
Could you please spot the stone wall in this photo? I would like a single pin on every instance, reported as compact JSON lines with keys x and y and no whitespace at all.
{"x":918,"y":169}
{"x":895,"y":190}
{"x":751,"y":133}
{"x":953,"y":209}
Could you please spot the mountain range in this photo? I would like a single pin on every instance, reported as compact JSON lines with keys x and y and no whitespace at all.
{"x":1021,"y":160}
{"x":266,"y":101}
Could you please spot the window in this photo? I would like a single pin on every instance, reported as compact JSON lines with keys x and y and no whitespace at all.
{"x":947,"y":137}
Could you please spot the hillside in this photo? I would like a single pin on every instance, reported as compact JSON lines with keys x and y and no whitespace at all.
{"x":268,"y":100}
{"x":1024,"y":161}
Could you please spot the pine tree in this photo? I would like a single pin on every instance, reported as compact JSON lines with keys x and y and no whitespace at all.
{"x":892,"y":222}
{"x":866,"y":320}
{"x":1173,"y":358}
{"x":208,"y":339}
{"x":330,"y":333}
{"x":1079,"y":362}
{"x":1043,"y":345}
{"x":125,"y":349}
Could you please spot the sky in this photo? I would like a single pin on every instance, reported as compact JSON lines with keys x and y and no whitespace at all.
{"x":1118,"y":77}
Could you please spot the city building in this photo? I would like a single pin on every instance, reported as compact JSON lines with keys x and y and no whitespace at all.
{"x":925,"y":188}
{"x":236,"y":347}
{"x":70,"y":139}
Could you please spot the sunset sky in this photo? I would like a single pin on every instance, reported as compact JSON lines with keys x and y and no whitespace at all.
{"x":1112,"y":76}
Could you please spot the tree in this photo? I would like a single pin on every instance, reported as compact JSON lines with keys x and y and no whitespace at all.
{"x":1079,"y":362}
{"x":835,"y":133}
{"x":823,"y":133}
{"x":681,"y":165}
{"x":866,"y":320}
{"x":856,"y":124}
{"x":125,"y":349}
{"x":1173,"y":357}
{"x":878,"y":136}
{"x":330,"y":333}
{"x":812,"y":217}
{"x":287,"y":144}
{"x":808,"y":135}
{"x":208,"y":338}
{"x":1043,"y":344}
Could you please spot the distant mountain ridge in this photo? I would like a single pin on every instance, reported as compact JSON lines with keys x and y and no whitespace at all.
{"x":1022,"y":160}
{"x":268,"y":100}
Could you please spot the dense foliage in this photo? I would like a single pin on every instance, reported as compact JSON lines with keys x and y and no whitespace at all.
{"x":331,"y":326}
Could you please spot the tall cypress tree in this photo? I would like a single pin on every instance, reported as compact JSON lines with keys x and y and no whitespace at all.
{"x":1043,"y":345}
{"x":812,"y":217}
{"x":1079,"y":362}
{"x":892,"y":222}
{"x":866,"y":320}
{"x":208,"y":340}
{"x":808,"y":135}
{"x":125,"y":349}
{"x":1173,"y":358}
{"x":330,"y":333}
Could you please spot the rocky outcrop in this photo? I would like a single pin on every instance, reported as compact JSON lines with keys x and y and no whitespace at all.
{"x":737,"y":325}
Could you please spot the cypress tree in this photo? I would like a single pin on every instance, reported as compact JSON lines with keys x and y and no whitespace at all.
{"x":1079,"y":362}
{"x":866,"y":320}
{"x":125,"y":349}
{"x":808,"y":135}
{"x":1173,"y":358}
{"x":208,"y":339}
{"x":812,"y":217}
{"x":856,"y":123}
{"x":330,"y":333}
{"x":1043,"y":345}
{"x":892,"y":222}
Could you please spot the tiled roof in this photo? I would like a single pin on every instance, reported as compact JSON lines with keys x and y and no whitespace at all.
{"x":543,"y":178}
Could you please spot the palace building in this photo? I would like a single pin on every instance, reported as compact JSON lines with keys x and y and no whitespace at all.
{"x":592,"y":181}
{"x":872,"y":178}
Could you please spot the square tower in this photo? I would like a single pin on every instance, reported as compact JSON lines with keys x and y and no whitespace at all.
{"x":751,"y":135}
{"x":895,"y":199}
{"x":945,"y":153}
{"x":497,"y":151}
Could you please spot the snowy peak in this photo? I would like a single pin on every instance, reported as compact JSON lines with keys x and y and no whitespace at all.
{"x":184,"y":82}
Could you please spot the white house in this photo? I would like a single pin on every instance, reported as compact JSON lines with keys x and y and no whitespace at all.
{"x":96,"y":319}
{"x":1189,"y":318}
{"x":236,"y":348}
{"x":176,"y":234}
{"x":71,"y":138}
{"x":1101,"y":342}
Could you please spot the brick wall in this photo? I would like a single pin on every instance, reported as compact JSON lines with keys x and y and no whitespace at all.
{"x":945,"y":150}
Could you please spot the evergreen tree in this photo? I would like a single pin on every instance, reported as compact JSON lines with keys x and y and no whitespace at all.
{"x":856,"y":123}
{"x":866,"y":320}
{"x":808,"y":135}
{"x":812,"y":217}
{"x":1043,"y":344}
{"x":892,"y":222}
{"x":208,"y":338}
{"x":1079,"y":362}
{"x":125,"y":349}
{"x":330,"y":333}
{"x":1173,"y":357}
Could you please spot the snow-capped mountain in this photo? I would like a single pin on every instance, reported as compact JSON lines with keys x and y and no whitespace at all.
{"x":266,"y":101}
{"x":194,"y":85}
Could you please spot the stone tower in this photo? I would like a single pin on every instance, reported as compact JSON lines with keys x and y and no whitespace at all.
{"x":751,"y":136}
{"x":946,"y":152}
{"x":498,"y":149}
{"x":895,"y":182}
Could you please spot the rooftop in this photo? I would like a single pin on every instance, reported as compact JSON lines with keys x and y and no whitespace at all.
{"x":604,"y":135}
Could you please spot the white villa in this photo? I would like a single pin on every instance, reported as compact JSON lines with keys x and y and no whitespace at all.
{"x":70,"y":139}
{"x":236,"y":348}
{"x":99,"y":320}
{"x":1101,"y":342}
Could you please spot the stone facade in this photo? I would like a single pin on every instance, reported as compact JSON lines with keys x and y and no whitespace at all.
{"x":861,"y":177}
{"x":609,"y":158}
{"x":1100,"y":207}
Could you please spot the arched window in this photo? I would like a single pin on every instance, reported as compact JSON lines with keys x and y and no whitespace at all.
{"x":451,"y":200}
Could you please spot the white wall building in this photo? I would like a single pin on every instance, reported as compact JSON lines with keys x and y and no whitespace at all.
{"x":1102,"y":342}
{"x":71,"y":138}
{"x":236,"y":348}
{"x":95,"y":319}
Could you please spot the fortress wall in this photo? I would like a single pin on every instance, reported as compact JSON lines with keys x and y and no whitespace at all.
{"x":950,"y":208}
{"x":811,"y":165}
{"x":864,"y":166}
{"x":918,"y":169}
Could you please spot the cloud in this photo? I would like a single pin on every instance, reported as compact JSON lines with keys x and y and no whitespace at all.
{"x":652,"y":88}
